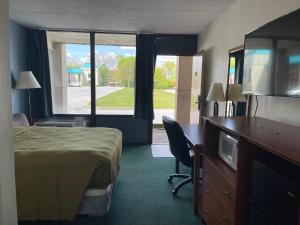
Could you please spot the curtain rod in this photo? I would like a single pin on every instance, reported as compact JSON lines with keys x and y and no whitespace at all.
{"x":88,"y":31}
{"x":112,"y":32}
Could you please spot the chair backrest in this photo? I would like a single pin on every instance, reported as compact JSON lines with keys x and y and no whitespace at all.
{"x":177,"y":140}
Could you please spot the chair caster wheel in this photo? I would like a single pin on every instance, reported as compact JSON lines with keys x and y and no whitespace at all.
{"x":170,"y":179}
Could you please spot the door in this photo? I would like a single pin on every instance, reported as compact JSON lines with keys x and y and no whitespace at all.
{"x":196,"y":99}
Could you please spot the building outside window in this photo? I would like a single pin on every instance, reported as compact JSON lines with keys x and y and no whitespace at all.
{"x":70,"y":69}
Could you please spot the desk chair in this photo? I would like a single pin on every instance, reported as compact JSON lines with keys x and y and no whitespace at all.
{"x":181,"y":149}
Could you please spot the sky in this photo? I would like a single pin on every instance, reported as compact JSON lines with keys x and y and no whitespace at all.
{"x":83,"y":51}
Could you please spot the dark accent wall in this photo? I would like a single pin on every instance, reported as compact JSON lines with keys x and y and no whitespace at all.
{"x":18,"y":63}
{"x":135,"y":131}
{"x":176,"y":44}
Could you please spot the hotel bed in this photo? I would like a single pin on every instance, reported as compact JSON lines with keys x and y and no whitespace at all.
{"x":62,"y":172}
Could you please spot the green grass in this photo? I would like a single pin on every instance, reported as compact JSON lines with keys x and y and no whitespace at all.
{"x":125,"y":99}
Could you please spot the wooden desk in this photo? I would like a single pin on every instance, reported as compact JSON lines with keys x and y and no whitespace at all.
{"x":194,"y":134}
{"x":225,"y":191}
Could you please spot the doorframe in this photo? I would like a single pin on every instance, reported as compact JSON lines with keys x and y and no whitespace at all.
{"x":201,"y":97}
{"x":249,"y":98}
{"x":183,"y":88}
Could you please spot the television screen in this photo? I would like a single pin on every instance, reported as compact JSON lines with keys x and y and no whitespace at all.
{"x":287,"y":73}
{"x":272,"y":58}
{"x":258,"y":58}
{"x":272,"y":67}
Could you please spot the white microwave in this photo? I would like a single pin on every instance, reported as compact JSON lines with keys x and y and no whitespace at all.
{"x":228,"y":149}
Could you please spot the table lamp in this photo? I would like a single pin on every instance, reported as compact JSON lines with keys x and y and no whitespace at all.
{"x":27,"y":81}
{"x":216,"y":94}
{"x":235,"y":95}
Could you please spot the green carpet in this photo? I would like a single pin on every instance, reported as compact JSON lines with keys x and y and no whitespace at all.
{"x":143,"y":195}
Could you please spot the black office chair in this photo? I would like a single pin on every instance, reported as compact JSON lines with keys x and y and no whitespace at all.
{"x":181,"y":149}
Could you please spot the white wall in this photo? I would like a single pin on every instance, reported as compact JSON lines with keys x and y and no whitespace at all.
{"x":227,"y":32}
{"x":8,"y":214}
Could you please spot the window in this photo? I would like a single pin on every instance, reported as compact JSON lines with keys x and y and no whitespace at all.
{"x":235,"y":76}
{"x":115,"y":66}
{"x":71,"y":75}
{"x":69,"y":60}
{"x":231,"y":80}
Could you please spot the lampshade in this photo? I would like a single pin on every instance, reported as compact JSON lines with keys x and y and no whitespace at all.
{"x":27,"y":81}
{"x":235,"y":93}
{"x":216,"y":93}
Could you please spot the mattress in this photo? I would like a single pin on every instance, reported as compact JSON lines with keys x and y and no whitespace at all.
{"x":56,"y":166}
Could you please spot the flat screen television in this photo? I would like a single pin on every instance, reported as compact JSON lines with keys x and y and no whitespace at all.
{"x":272,"y":58}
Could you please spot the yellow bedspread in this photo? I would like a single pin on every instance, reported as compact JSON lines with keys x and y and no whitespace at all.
{"x":54,"y":167}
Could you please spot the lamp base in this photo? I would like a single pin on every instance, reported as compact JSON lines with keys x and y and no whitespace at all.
{"x":233,"y":108}
{"x":29,"y":104}
{"x":216,"y":108}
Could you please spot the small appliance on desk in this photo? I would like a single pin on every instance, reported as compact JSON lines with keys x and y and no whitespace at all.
{"x":228,"y":149}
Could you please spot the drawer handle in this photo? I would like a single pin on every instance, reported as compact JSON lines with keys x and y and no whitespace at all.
{"x":225,"y":218}
{"x":207,"y":192}
{"x":207,"y":172}
{"x":226,"y":193}
{"x":206,"y":211}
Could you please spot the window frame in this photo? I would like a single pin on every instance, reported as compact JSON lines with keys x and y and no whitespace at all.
{"x":92,"y":116}
{"x":236,"y":80}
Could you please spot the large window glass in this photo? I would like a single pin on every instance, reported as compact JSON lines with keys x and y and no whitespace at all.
{"x":71,"y":76}
{"x":69,"y":61}
{"x":115,"y":66}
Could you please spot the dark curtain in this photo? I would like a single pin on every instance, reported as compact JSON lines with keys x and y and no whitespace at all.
{"x":144,"y":73}
{"x":39,"y":65}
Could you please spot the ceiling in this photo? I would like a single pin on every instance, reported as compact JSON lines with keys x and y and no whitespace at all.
{"x":155,"y":16}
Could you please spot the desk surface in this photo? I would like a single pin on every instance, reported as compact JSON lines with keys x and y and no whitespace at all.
{"x":194,"y":133}
{"x":277,"y":138}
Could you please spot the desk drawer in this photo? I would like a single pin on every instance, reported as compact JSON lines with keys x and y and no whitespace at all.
{"x":215,"y":211}
{"x":215,"y":179}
